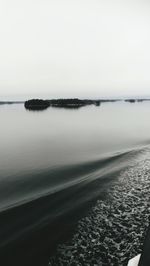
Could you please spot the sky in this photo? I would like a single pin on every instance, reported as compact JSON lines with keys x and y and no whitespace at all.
{"x":74,"y":48}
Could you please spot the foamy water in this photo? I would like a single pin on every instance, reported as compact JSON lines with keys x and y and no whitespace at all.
{"x":115,"y":228}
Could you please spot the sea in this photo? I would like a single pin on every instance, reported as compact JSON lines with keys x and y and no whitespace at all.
{"x":61,"y":172}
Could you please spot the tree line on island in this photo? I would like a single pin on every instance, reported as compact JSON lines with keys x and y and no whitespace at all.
{"x":39,"y":104}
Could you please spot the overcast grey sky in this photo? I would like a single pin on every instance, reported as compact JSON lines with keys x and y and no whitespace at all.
{"x":74,"y":48}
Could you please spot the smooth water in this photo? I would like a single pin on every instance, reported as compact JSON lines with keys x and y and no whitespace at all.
{"x":54,"y":164}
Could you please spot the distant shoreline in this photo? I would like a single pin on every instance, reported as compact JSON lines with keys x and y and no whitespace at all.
{"x":37,"y":104}
{"x":11,"y":102}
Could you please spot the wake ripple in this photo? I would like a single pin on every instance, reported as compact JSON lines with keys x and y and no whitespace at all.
{"x":44,"y":207}
{"x":115,"y":229}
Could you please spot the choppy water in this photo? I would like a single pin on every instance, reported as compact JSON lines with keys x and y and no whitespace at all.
{"x":55,"y":165}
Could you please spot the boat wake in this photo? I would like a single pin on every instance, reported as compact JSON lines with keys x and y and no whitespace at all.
{"x":43,"y":210}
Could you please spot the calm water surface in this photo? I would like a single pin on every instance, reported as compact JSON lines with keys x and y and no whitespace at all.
{"x":54,"y":164}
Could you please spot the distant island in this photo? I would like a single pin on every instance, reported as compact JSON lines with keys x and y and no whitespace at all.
{"x":39,"y":104}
